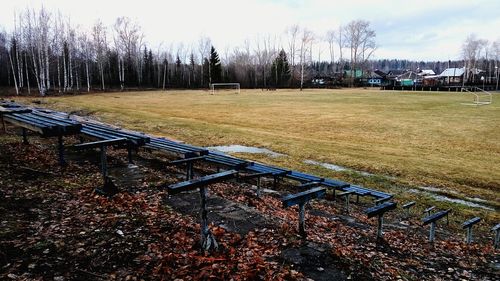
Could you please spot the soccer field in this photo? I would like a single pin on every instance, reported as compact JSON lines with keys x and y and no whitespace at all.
{"x":406,"y":139}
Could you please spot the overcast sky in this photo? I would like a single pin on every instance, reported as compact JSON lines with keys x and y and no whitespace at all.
{"x":418,"y":30}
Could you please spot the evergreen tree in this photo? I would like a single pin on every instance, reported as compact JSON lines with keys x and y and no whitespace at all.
{"x":177,"y":74}
{"x":280,"y":70}
{"x":215,"y":67}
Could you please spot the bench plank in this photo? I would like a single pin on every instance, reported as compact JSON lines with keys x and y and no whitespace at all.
{"x":304,"y":196}
{"x":200,"y":182}
{"x":409,"y":205}
{"x":380,"y":209}
{"x":434,"y":217}
{"x":98,"y":144}
{"x":471,"y":222}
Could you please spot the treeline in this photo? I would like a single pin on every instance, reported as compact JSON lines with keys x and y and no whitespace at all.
{"x":45,"y":53}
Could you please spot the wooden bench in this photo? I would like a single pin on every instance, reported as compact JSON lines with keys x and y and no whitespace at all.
{"x":189,"y":164}
{"x":432,"y":219}
{"x":429,"y":210}
{"x":379,"y":211}
{"x":346,"y":195}
{"x":258,"y":176}
{"x":108,"y":188}
{"x":208,"y":241}
{"x":301,"y":199}
{"x":468,"y":225}
{"x":407,"y":207}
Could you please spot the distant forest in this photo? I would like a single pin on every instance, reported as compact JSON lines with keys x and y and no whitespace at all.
{"x":45,"y":54}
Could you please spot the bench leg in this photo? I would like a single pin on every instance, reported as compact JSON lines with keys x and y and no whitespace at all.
{"x":60,"y":149}
{"x":496,"y":242}
{"x":207,"y":239}
{"x":469,"y":235}
{"x":379,"y":227}
{"x":25,"y":136}
{"x":258,"y":186}
{"x":302,"y":224}
{"x":4,"y":126}
{"x":129,"y":155}
{"x":432,"y":232}
{"x":347,"y":203}
{"x":189,"y":171}
{"x":104,"y":162}
{"x":357,"y":198}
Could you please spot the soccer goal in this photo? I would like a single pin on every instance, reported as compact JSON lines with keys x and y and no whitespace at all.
{"x":481,"y":97}
{"x":225,"y":87}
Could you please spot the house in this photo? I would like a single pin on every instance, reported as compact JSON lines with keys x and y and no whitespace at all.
{"x":452,"y":75}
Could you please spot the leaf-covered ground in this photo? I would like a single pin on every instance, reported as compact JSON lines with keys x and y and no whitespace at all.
{"x":54,"y":227}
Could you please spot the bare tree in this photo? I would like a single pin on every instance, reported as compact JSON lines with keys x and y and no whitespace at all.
{"x":306,"y":39}
{"x":265,"y":51}
{"x":471,"y":51}
{"x":87,"y":54}
{"x":360,"y":39}
{"x":331,"y":39}
{"x":495,"y":49}
{"x":100,"y":47}
{"x":204,"y":45}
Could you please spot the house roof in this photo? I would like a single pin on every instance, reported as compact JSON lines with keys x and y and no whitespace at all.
{"x":427,"y":72}
{"x":453,"y":72}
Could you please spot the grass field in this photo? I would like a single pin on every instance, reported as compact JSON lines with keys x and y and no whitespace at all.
{"x":407,"y":139}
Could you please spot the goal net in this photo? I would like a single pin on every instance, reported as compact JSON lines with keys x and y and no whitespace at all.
{"x":230,"y":87}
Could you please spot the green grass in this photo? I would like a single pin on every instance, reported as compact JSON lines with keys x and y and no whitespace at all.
{"x":421,"y":138}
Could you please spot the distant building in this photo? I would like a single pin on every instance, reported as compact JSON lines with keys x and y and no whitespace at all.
{"x":452,"y":75}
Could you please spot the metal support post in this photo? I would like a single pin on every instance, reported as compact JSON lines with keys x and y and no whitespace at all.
{"x":25,"y":136}
{"x":4,"y":126}
{"x":347,"y":196}
{"x":189,"y":170}
{"x":432,"y":232}
{"x":104,"y":165}
{"x":258,"y":186}
{"x":469,"y":235}
{"x":129,"y":155}
{"x":379,"y":228}
{"x":496,"y":242}
{"x":207,"y":239}
{"x":60,"y":148}
{"x":302,"y":225}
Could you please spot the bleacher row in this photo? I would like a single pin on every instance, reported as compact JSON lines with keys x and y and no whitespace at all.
{"x":52,"y":123}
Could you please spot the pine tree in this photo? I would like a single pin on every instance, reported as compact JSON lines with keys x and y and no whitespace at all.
{"x":280,"y":70}
{"x":214,"y":67}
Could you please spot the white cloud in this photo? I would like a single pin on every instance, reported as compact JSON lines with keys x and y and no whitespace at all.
{"x":425,"y":29}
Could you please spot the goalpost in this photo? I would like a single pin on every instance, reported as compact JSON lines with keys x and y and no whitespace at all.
{"x":225,"y":86}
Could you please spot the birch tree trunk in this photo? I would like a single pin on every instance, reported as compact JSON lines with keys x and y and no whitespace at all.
{"x":13,"y":73}
{"x":27,"y":73}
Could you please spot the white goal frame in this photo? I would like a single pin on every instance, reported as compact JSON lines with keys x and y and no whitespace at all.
{"x":214,"y":85}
